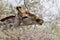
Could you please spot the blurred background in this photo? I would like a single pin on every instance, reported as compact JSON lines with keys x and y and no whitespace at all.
{"x":48,"y":10}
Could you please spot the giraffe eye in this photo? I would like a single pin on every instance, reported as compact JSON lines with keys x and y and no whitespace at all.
{"x":24,"y":17}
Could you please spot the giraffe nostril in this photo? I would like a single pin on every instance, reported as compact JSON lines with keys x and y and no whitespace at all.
{"x":38,"y":20}
{"x":41,"y":22}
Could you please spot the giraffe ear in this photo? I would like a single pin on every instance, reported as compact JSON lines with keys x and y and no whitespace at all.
{"x":24,"y":17}
{"x":18,"y":7}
